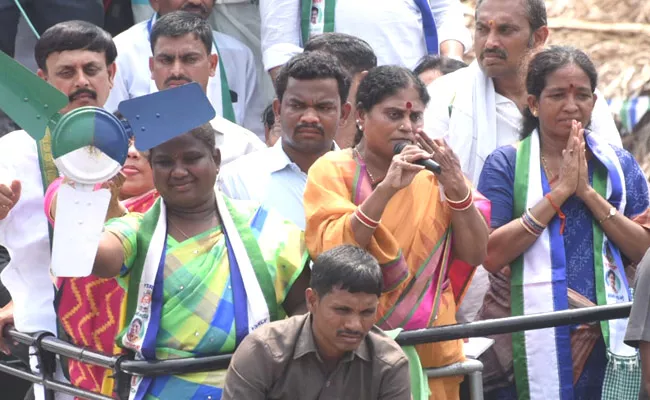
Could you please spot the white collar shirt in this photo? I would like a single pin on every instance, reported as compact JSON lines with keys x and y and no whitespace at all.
{"x":389,"y":26}
{"x":133,"y":77}
{"x":270,"y":178}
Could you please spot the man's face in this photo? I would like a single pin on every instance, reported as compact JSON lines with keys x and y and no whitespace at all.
{"x":199,"y":7}
{"x":310,"y":114}
{"x":503,"y":38}
{"x":314,"y":16}
{"x":341,"y":320}
{"x":82,"y":75}
{"x":181,"y":60}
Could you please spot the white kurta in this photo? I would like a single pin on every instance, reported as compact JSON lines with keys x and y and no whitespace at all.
{"x":389,"y":26}
{"x":133,"y":77}
{"x":24,"y":232}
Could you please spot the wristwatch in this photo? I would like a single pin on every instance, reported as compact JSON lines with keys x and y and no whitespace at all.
{"x":610,"y":214}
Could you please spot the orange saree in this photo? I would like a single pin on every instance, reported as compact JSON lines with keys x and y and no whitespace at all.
{"x":412,"y":245}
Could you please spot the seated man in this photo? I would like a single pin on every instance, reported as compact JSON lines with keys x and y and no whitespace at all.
{"x":334,"y":351}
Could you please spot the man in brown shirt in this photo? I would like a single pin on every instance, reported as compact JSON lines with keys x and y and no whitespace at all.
{"x":334,"y":351}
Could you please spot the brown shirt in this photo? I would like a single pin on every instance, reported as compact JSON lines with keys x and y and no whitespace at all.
{"x":280,"y":361}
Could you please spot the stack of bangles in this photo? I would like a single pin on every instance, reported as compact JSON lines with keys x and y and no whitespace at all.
{"x":531,"y":224}
{"x":463,"y":204}
{"x":365,"y":220}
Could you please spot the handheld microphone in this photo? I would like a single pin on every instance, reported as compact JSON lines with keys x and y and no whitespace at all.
{"x":428,"y":164}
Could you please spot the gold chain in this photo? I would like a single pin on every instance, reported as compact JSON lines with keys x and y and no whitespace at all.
{"x":547,"y":170}
{"x":177,"y":228}
{"x":372,"y":178}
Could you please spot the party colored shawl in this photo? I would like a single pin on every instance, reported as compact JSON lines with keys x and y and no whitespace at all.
{"x":252,"y":285}
{"x":542,"y":359}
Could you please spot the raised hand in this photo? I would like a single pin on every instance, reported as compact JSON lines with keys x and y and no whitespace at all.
{"x":115,"y":208}
{"x":9,"y":196}
{"x":451,"y":176}
{"x":402,"y":170}
{"x":583,"y":186}
{"x":570,"y":168}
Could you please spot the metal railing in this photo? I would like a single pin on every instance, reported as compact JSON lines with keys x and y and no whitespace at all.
{"x":123,"y":367}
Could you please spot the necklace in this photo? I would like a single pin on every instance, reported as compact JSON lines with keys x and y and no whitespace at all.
{"x":373,"y":181}
{"x":551,"y":177}
{"x":177,"y":228}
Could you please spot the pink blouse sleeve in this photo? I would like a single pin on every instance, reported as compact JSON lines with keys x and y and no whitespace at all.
{"x":49,"y":197}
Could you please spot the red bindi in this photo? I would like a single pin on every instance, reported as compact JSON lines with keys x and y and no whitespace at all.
{"x":409,"y":105}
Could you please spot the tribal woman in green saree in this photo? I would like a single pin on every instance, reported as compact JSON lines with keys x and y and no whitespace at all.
{"x":200,"y":270}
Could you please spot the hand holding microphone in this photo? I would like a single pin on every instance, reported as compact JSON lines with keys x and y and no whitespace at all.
{"x":427,"y":163}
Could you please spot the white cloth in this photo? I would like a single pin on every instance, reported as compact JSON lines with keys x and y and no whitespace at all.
{"x":133,"y":77}
{"x":389,"y":26}
{"x":270,"y":178}
{"x":233,"y":140}
{"x":25,"y":235}
{"x":482,"y":121}
{"x":24,"y":232}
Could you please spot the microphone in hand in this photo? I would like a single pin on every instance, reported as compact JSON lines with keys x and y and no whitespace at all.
{"x":428,"y":163}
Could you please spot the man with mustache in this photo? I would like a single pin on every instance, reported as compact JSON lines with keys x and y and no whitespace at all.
{"x":334,"y":351}
{"x":180,"y":44}
{"x":232,"y":90}
{"x":479,"y":108}
{"x":311,"y":105}
{"x":77,"y":58}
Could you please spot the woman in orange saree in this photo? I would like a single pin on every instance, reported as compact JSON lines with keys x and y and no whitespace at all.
{"x":390,"y":206}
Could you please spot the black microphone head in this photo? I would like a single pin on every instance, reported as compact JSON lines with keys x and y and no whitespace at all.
{"x":399,"y":147}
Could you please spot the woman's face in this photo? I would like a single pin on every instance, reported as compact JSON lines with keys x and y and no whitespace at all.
{"x":612,"y":280}
{"x":395,"y":119}
{"x":137,"y":170}
{"x":185,"y":171}
{"x":567,"y":96}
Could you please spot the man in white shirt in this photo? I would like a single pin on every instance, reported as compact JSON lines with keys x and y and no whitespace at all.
{"x":311,"y":106}
{"x":236,"y":18}
{"x":78,"y":59}
{"x":181,"y":43}
{"x":356,"y":57}
{"x":394,"y":28}
{"x":479,"y":108}
{"x":235,"y":78}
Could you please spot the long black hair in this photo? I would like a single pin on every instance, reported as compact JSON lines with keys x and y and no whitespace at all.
{"x":545,"y":63}
{"x":382,"y":82}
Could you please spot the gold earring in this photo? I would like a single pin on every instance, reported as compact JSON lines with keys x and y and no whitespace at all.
{"x":534,"y":113}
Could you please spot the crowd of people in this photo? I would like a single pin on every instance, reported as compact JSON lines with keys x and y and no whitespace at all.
{"x":384,"y":185}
